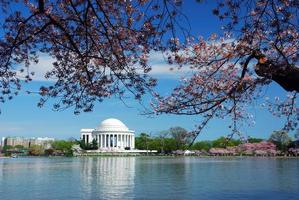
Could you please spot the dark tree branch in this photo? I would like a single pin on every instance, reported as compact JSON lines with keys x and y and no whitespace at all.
{"x":286,"y":75}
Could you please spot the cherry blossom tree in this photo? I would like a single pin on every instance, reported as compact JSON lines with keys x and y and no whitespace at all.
{"x":281,"y":139}
{"x":262,"y":149}
{"x":259,"y":46}
{"x":101,"y":49}
{"x":181,"y":137}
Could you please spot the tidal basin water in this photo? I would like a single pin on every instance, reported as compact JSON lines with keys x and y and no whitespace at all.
{"x":91,"y":178}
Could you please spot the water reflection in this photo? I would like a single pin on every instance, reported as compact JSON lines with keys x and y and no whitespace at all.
{"x":148,"y":178}
{"x":161,"y":178}
{"x":108,"y":177}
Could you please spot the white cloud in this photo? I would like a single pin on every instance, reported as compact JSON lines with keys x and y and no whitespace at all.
{"x":161,"y":68}
{"x":40,"y":69}
{"x":158,"y":62}
{"x":164,"y":70}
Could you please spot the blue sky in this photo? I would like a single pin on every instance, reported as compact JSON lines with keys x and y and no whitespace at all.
{"x":21,"y":116}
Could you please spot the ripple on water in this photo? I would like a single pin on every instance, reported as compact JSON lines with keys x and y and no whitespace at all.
{"x":148,"y":178}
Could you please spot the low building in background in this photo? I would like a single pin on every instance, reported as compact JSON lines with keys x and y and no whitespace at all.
{"x":42,"y":141}
{"x":27,"y":142}
{"x":2,"y":141}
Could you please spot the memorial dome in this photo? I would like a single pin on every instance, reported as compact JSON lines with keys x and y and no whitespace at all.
{"x":112,"y":124}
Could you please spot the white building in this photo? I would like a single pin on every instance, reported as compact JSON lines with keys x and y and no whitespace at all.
{"x":2,"y":141}
{"x":111,"y":134}
{"x":27,"y":142}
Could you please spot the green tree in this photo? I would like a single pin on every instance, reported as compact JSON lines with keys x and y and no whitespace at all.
{"x":36,"y":150}
{"x":161,"y":138}
{"x":6,"y":147}
{"x":49,"y":152}
{"x":202,"y":145}
{"x":82,"y":144}
{"x":19,"y":147}
{"x":154,"y":144}
{"x":254,"y":140}
{"x":170,"y":145}
{"x":181,"y":136}
{"x":94,"y":144}
{"x":63,"y":146}
{"x":142,"y":142}
{"x":281,"y":139}
{"x":223,"y":142}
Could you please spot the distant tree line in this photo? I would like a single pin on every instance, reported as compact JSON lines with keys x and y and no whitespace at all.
{"x":177,"y":138}
{"x":167,"y":142}
{"x":58,"y":147}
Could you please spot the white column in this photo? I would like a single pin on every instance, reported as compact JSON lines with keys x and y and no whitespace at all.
{"x":121,"y":141}
{"x":109,"y":140}
{"x":133,"y":142}
{"x":105,"y":140}
{"x":124,"y":140}
{"x":107,"y":137}
{"x":100,"y":140}
{"x":100,"y":144}
{"x":129,"y":141}
{"x":113,"y":141}
{"x":116,"y":140}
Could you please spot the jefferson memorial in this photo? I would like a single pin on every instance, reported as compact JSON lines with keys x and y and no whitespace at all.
{"x":111,"y":135}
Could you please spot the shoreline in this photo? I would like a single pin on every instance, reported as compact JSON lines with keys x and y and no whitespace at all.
{"x":155,"y":156}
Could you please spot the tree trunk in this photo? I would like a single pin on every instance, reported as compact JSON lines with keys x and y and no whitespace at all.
{"x":287,"y":76}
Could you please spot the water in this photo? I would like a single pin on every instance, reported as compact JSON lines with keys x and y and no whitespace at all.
{"x":92,"y":178}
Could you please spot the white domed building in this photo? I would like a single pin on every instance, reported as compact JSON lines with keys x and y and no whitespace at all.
{"x":111,"y":134}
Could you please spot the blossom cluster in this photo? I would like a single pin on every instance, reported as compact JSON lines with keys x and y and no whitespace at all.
{"x":263,"y":148}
